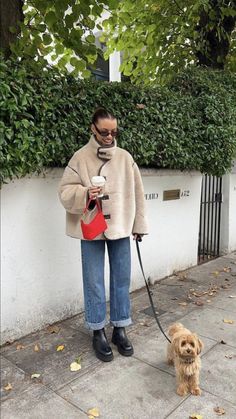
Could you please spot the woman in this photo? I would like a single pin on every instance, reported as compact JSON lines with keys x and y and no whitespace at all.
{"x":123,"y":206}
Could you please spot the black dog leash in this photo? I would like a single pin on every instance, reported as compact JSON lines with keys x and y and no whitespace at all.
{"x":148,"y":290}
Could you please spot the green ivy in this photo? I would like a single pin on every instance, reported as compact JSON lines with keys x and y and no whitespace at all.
{"x":45,"y":118}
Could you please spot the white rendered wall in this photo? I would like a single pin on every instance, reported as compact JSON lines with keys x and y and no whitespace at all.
{"x":228,"y":216}
{"x":41,"y":266}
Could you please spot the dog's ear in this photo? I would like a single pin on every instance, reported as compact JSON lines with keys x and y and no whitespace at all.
{"x":199,"y":345}
{"x":175,"y":343}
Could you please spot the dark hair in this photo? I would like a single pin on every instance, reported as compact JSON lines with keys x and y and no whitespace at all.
{"x":101,"y":113}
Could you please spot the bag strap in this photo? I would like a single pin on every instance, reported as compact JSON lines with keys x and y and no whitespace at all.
{"x":97,"y":203}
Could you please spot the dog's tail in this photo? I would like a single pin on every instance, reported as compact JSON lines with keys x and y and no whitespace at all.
{"x":174,"y":328}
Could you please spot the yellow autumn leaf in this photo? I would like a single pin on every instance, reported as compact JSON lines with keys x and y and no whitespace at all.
{"x":35,"y":375}
{"x":228,"y":321}
{"x":60,"y":348}
{"x":94,"y":412}
{"x":36,"y":348}
{"x":8,"y":387}
{"x":215,"y":273}
{"x":74,"y":366}
{"x":195,"y":416}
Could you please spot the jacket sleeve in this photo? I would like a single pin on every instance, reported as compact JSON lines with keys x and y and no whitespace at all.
{"x":140,"y":223}
{"x":72,"y":194}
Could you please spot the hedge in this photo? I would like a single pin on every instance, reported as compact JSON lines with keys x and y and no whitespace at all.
{"x":45,"y":118}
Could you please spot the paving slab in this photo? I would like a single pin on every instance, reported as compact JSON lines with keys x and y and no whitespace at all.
{"x":39,"y":402}
{"x":18,"y":379}
{"x":209,"y":322}
{"x":204,"y":406}
{"x":219,"y":372}
{"x":53,"y":365}
{"x":124,"y":389}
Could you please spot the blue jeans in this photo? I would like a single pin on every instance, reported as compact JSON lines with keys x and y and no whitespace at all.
{"x":93,"y":255}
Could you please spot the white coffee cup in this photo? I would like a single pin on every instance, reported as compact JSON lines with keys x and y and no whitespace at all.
{"x":99,"y":182}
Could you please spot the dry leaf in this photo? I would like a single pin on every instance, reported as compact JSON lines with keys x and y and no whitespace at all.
{"x":227,"y":269}
{"x":183,"y":304}
{"x":94,"y":412}
{"x":199,"y":303}
{"x":36,"y":348}
{"x":8,"y":387}
{"x":195,"y":416}
{"x":208,"y":301}
{"x":219,"y":410}
{"x":140,"y":106}
{"x":232,"y":296}
{"x":60,"y":348}
{"x":229,"y":356}
{"x":228,"y":321}
{"x":53,"y":329}
{"x":35,"y":375}
{"x":223,"y":342}
{"x":20,"y":346}
{"x":74,"y":366}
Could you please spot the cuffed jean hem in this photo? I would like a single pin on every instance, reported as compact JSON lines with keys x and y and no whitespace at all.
{"x":121,"y":323}
{"x":95,"y":326}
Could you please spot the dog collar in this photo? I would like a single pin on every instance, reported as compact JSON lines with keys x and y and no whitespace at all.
{"x":188,"y":360}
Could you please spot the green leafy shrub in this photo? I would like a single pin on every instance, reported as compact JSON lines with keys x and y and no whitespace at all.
{"x":45,"y":118}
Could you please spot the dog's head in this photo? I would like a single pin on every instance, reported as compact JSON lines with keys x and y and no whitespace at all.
{"x":187,"y":345}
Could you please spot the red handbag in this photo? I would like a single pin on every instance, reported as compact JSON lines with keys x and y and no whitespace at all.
{"x":97,"y":226}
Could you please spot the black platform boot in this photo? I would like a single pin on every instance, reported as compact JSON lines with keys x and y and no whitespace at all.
{"x":120,"y":339}
{"x":101,"y":346}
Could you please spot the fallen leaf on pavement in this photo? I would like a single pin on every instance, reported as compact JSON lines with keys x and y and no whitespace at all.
{"x":183,"y":304}
{"x":228,"y":321}
{"x":227,"y":269}
{"x":215,"y":273}
{"x":20,"y":346}
{"x":208,"y":301}
{"x":223,"y":342}
{"x":8,"y":387}
{"x":35,"y":375}
{"x":60,"y":348}
{"x":74,"y":366}
{"x":36,"y":348}
{"x":94,"y":412}
{"x":199,"y":303}
{"x":232,"y":296}
{"x":219,"y":410}
{"x":53,"y":329}
{"x":229,"y":356}
{"x":195,"y":416}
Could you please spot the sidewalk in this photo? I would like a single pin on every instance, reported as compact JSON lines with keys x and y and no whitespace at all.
{"x":142,"y":386}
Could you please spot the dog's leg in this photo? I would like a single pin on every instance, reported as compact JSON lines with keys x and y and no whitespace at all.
{"x":182,"y":385}
{"x":194,"y":384}
{"x":170,"y":359}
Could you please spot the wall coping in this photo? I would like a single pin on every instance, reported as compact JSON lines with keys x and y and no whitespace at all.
{"x":56,"y":173}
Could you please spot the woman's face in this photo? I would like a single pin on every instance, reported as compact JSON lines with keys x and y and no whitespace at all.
{"x":105,"y":130}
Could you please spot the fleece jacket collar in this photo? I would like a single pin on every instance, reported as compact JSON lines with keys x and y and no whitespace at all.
{"x":104,"y":152}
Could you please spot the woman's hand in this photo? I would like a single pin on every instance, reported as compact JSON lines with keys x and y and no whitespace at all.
{"x":93,"y":192}
{"x":137,"y":237}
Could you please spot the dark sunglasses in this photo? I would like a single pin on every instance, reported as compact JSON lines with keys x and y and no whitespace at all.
{"x":106,"y":133}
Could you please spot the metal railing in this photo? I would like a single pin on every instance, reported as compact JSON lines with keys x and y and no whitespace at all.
{"x":210,"y":217}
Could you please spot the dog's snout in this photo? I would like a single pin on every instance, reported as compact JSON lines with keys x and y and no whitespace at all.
{"x":188,"y":350}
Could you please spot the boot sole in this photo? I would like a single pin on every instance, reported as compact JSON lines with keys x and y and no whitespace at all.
{"x":123,"y":351}
{"x":102,"y":357}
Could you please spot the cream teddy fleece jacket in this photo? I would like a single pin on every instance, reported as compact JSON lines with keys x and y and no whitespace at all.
{"x":123,"y":203}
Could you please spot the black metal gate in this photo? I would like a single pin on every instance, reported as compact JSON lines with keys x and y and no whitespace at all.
{"x":210,"y":215}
